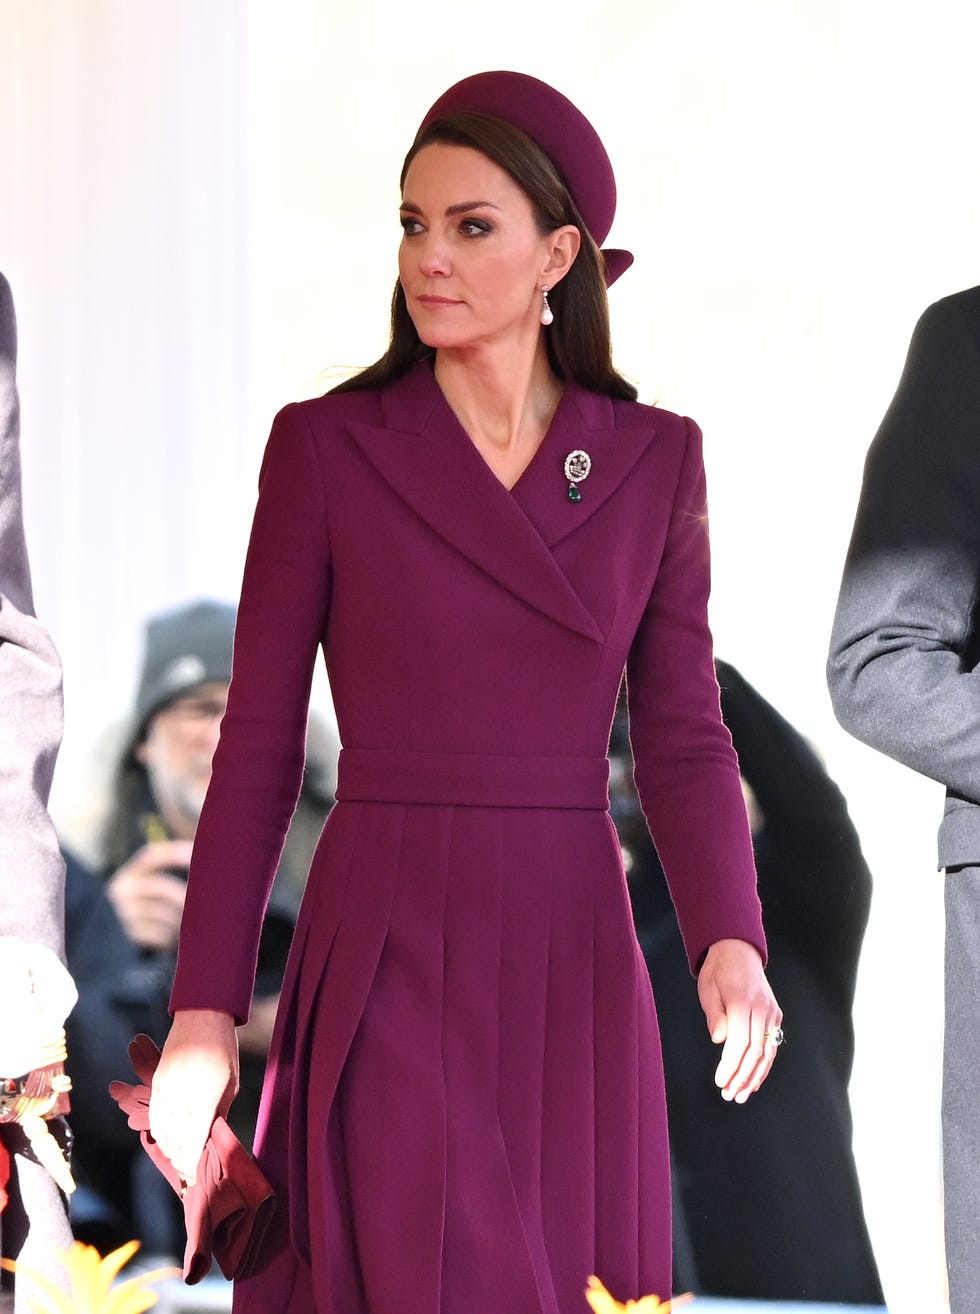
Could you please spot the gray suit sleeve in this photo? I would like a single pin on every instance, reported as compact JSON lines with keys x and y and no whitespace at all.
{"x":31,"y":868}
{"x":902,"y":668}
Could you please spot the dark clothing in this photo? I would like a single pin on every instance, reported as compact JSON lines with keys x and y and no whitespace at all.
{"x":906,"y":641}
{"x":120,"y":993}
{"x":142,"y":824}
{"x":771,"y":1206}
{"x":903,"y":674}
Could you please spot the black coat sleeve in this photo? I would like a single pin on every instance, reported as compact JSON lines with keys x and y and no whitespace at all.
{"x":903,"y":653}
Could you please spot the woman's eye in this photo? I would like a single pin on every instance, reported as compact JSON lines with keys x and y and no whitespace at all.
{"x":410,"y":226}
{"x":474,"y":227}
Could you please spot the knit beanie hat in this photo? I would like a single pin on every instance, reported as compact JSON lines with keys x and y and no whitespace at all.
{"x":184,"y":648}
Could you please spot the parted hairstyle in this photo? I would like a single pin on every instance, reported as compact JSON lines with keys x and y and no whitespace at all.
{"x":578,"y":341}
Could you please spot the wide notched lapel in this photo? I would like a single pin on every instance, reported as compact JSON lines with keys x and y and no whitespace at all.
{"x":427,"y":458}
{"x":584,"y":421}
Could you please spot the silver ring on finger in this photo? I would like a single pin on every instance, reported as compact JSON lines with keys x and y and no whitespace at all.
{"x":776,"y":1035}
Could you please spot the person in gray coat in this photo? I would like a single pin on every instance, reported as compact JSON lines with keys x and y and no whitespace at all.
{"x":36,"y":988}
{"x":903,"y":674}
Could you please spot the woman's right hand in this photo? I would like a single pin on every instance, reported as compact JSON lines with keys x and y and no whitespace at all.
{"x":196,"y":1078}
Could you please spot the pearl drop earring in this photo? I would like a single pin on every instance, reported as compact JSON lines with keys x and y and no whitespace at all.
{"x":547,"y":316}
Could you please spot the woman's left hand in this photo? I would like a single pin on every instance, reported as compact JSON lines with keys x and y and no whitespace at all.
{"x":742,"y":1014}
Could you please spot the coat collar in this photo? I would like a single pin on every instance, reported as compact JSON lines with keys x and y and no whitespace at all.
{"x":428,"y":459}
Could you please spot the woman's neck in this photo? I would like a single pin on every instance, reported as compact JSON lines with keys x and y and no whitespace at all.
{"x":505,"y":405}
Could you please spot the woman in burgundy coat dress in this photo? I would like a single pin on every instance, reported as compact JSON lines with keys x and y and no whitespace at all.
{"x":464,"y":1107}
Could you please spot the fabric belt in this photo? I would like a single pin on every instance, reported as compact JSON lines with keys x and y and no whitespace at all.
{"x":473,"y":780}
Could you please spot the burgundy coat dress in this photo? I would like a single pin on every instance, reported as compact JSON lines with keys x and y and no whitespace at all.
{"x":464,"y":1108}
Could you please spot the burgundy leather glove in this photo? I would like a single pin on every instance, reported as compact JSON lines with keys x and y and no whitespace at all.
{"x":227,"y":1210}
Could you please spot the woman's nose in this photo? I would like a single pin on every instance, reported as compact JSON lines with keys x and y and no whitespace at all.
{"x":433,"y":257}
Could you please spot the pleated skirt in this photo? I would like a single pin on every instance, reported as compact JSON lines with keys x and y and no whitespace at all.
{"x":464,"y":1108}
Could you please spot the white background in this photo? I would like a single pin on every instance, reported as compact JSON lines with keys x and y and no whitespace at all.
{"x":198,"y":215}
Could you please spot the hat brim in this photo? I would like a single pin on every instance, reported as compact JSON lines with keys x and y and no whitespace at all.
{"x":617,"y":263}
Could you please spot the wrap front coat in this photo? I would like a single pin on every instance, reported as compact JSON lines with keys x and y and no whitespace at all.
{"x":464,"y":1107}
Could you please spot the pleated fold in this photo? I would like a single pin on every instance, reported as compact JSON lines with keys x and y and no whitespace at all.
{"x":471,"y":1111}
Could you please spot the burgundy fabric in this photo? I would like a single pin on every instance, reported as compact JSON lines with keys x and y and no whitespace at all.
{"x":227,"y":1210}
{"x":563,"y":133}
{"x":465,"y":1095}
{"x":392,"y":776}
{"x":4,"y":1175}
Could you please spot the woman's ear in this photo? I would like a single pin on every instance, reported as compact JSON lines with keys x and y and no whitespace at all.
{"x":563,"y":247}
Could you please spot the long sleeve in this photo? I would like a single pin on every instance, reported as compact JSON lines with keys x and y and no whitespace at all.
{"x":901,"y":668}
{"x":685,"y":767}
{"x":258,"y":765}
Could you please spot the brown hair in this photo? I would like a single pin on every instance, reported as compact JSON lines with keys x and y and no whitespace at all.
{"x":578,"y":342}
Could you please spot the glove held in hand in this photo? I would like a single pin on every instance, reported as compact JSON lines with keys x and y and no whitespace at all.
{"x":227,"y":1210}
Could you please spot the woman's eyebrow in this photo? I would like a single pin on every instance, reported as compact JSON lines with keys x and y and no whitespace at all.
{"x":460,"y":208}
{"x":463,"y":206}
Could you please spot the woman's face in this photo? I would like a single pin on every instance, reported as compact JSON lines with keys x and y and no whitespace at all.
{"x":472,"y":260}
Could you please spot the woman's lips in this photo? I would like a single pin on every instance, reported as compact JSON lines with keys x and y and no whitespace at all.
{"x":438,"y":301}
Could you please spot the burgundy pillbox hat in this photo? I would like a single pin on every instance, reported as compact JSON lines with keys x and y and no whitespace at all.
{"x":563,"y":133}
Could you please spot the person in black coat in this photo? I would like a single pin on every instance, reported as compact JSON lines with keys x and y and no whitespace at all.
{"x":767,"y":1202}
{"x":119,"y":995}
{"x":903,"y":677}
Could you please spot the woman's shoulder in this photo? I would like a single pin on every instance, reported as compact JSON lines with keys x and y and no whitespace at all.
{"x":631,"y":413}
{"x":409,"y":394}
{"x":333,"y":410}
{"x":668,"y":426}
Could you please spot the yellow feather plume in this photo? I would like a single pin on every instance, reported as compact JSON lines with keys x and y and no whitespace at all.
{"x":603,"y":1303}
